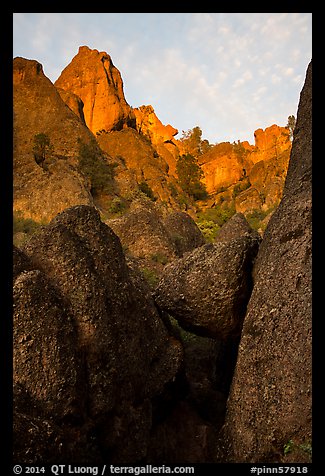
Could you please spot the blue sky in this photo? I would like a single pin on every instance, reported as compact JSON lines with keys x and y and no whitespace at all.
{"x":229,"y":73}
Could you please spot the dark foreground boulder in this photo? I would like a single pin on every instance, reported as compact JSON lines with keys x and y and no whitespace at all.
{"x":155,"y":238}
{"x":183,"y":232}
{"x":269,"y":408}
{"x":90,"y":349}
{"x":235,"y":227}
{"x":208,"y":289}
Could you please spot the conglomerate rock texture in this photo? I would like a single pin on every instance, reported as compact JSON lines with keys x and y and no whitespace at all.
{"x":90,"y":349}
{"x":208,"y":289}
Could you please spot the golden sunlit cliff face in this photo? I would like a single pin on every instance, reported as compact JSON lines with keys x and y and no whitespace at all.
{"x":92,"y":76}
{"x":149,"y":125}
{"x":257,"y":171}
{"x":87,"y":102}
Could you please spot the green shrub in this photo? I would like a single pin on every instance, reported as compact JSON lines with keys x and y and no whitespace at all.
{"x":211,"y":220}
{"x":93,"y":164}
{"x":240,"y":187}
{"x":173,"y":190}
{"x":256,"y":217}
{"x":147,"y":190}
{"x":159,"y":258}
{"x":291,"y":446}
{"x":150,"y":276}
{"x":27,"y":226}
{"x":117,"y":206}
{"x":182,"y":334}
{"x":42,"y":148}
{"x":219,"y":215}
{"x":24,"y":225}
{"x":209,"y":229}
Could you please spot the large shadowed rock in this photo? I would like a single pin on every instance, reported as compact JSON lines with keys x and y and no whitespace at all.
{"x":208,"y":289}
{"x":142,"y":232}
{"x":269,"y":407}
{"x":235,"y":227}
{"x":46,"y":360}
{"x":183,"y":231}
{"x":153,"y":237}
{"x":90,"y":347}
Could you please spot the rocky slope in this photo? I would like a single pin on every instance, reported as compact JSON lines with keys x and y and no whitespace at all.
{"x":38,"y":108}
{"x":138,"y":162}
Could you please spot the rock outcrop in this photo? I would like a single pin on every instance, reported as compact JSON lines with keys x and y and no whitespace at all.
{"x":90,"y":350}
{"x":269,"y":408}
{"x":270,"y":143}
{"x":222,"y":167}
{"x":208,"y":289}
{"x":40,"y":193}
{"x":92,"y":76}
{"x":254,"y":175}
{"x":150,"y":125}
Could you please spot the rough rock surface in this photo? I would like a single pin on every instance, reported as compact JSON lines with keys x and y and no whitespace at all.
{"x":270,"y":142}
{"x":138,"y":162}
{"x":142,"y":232}
{"x":235,"y":227}
{"x":147,"y":123}
{"x":74,"y":102}
{"x":92,"y":76}
{"x":208,"y":289}
{"x":153,"y":237}
{"x":270,"y":401}
{"x":183,"y":231}
{"x":267,"y":179}
{"x":90,"y":348}
{"x":38,"y":108}
{"x":222,"y":167}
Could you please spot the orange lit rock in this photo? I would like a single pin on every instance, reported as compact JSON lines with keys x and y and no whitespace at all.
{"x":270,"y":142}
{"x":149,"y":125}
{"x":264,"y":165}
{"x":223,"y":167}
{"x":92,"y":76}
{"x":41,"y":193}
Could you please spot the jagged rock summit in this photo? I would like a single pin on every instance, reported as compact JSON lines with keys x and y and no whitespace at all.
{"x":92,"y":76}
{"x":150,"y":125}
